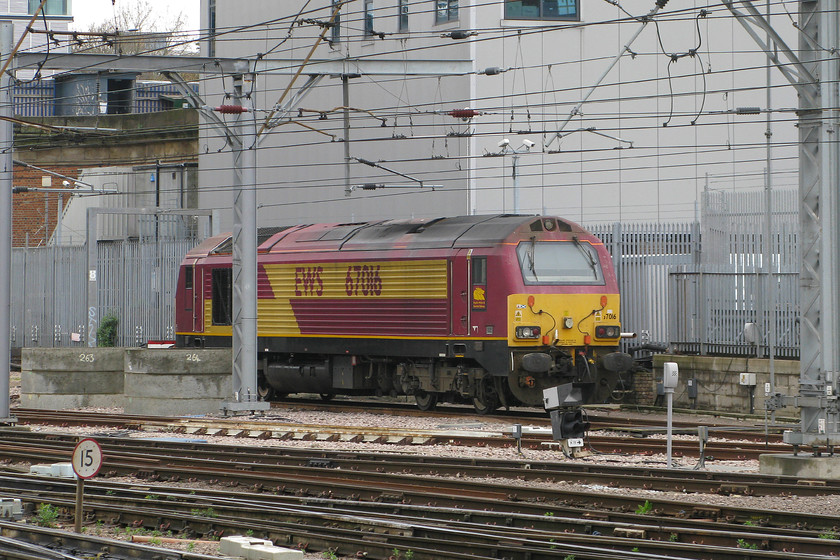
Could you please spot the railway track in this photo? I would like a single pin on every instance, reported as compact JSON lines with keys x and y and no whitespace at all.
{"x":375,"y":504}
{"x":264,"y":428}
{"x":17,"y":445}
{"x":481,"y":524}
{"x":28,"y":542}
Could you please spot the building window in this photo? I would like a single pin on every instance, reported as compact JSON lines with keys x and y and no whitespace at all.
{"x":368,"y":16}
{"x":51,"y":8}
{"x":211,"y":28}
{"x":335,"y":32}
{"x":542,"y":9}
{"x":447,"y":10}
{"x":402,"y":7}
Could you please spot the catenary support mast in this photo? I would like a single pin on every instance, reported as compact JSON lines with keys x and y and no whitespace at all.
{"x":814,"y":72}
{"x":6,"y":174}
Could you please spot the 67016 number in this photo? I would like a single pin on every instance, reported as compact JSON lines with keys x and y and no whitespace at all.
{"x":363,"y":278}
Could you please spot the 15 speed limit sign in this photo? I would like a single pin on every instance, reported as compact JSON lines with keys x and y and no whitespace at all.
{"x":87,"y":458}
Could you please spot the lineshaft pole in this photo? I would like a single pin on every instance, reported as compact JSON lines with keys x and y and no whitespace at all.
{"x":6,"y":175}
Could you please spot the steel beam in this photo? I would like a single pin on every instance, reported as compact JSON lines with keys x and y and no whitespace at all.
{"x":244,"y":327}
{"x":269,"y":66}
{"x":7,"y":167}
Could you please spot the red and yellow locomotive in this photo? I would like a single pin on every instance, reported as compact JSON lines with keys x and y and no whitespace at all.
{"x":483,"y":309}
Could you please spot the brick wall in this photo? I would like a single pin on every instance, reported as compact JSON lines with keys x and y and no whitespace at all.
{"x":28,"y":209}
{"x":644,"y":388}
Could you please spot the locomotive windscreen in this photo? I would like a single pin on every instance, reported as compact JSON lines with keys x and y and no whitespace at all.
{"x":566,"y":262}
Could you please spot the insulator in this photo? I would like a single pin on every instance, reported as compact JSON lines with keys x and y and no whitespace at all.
{"x":463,"y":113}
{"x":231,"y":109}
{"x":459,"y":34}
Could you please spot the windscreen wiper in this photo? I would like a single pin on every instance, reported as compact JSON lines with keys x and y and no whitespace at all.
{"x":592,"y":264}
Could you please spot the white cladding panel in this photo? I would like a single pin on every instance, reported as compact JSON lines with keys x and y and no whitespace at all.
{"x":649,"y":156}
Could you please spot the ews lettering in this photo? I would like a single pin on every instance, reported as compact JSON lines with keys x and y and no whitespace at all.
{"x":308,"y":281}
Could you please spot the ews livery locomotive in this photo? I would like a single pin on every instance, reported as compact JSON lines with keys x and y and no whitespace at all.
{"x":483,"y":309}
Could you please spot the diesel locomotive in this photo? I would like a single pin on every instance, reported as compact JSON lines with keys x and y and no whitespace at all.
{"x":483,"y":309}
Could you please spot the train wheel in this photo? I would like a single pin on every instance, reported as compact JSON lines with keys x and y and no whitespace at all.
{"x":426,"y":401}
{"x":266,"y":392}
{"x":488,"y":399}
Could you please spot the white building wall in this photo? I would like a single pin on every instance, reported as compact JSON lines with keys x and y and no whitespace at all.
{"x":17,"y":11}
{"x":585,"y":177}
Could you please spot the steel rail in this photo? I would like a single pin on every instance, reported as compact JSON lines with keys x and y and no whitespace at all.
{"x":273,"y":430}
{"x":281,"y":520}
{"x":29,"y":542}
{"x":448,"y":492}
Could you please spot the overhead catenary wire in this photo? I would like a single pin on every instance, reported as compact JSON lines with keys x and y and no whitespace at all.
{"x":590,"y":115}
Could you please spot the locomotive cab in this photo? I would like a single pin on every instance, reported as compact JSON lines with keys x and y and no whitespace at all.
{"x":564,"y":326}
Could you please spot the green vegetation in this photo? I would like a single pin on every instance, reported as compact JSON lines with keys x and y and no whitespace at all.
{"x":828,"y":535}
{"x":673,"y":537}
{"x":645,"y":508}
{"x":151,"y":497}
{"x":106,"y":334}
{"x":46,"y":515}
{"x":329,"y":554}
{"x":744,"y":544}
{"x":209,"y":512}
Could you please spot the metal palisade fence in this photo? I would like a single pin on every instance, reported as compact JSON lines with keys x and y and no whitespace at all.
{"x":697,"y":287}
{"x":644,"y":256}
{"x":136,"y":281}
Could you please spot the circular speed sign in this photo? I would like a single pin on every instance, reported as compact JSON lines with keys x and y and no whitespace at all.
{"x":87,"y":458}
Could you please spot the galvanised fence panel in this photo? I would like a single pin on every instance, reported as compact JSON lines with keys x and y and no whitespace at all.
{"x":136,"y":281}
{"x":643,"y":256}
{"x":711,"y":306}
{"x":47,"y":295}
{"x":697,"y":287}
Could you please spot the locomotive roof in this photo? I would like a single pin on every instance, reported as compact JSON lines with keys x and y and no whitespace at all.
{"x":437,"y":233}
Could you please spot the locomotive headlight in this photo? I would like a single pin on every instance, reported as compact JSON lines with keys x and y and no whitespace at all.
{"x":528,"y":332}
{"x":603,"y":331}
{"x":568,"y":322}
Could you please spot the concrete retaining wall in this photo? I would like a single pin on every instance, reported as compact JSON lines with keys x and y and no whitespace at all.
{"x":60,"y":378}
{"x":142,"y":381}
{"x":717,"y":381}
{"x":176,"y":382}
